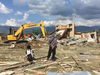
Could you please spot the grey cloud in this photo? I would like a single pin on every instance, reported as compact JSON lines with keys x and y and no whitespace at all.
{"x":65,"y":18}
{"x":88,"y":17}
{"x":26,"y":2}
{"x":87,"y":9}
{"x":57,"y":7}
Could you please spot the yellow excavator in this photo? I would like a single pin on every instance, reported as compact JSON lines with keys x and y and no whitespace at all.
{"x":16,"y":35}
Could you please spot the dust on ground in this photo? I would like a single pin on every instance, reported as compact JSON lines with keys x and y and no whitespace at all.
{"x":40,"y":48}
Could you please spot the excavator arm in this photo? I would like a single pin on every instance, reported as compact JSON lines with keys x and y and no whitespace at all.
{"x":31,"y":25}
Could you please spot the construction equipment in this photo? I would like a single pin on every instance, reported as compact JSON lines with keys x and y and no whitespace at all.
{"x":16,"y":35}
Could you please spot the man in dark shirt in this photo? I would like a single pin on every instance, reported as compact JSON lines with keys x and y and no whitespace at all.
{"x":10,"y":30}
{"x":52,"y":47}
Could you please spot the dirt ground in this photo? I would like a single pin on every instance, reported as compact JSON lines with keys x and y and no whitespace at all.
{"x":91,"y":56}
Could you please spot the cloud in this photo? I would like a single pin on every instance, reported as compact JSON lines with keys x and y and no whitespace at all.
{"x":4,"y":10}
{"x":59,"y":22}
{"x":87,"y":9}
{"x":14,"y":22}
{"x":46,"y":7}
{"x":18,"y":13}
{"x":77,"y":21}
{"x":93,"y":22}
{"x":83,"y":22}
{"x":11,"y":22}
{"x":80,"y":12}
{"x":24,"y":20}
{"x":59,"y":17}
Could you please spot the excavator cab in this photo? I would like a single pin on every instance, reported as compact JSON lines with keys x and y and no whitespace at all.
{"x":5,"y":37}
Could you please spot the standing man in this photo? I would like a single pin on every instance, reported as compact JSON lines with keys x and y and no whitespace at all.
{"x":24,"y":36}
{"x":10,"y":30}
{"x":52,"y":47}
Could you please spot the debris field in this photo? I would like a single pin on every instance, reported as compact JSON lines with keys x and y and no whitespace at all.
{"x":78,"y":57}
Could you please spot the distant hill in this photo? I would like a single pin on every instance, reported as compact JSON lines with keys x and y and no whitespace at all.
{"x":86,"y":28}
{"x":29,"y":30}
{"x":51,"y":28}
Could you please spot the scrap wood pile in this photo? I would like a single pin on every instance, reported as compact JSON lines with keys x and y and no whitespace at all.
{"x":67,"y":65}
{"x":61,"y":66}
{"x":33,"y":44}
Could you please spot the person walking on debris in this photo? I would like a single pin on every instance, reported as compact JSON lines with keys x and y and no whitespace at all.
{"x":29,"y":54}
{"x":52,"y":47}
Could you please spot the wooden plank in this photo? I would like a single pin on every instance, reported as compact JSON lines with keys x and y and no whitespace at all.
{"x":75,"y":60}
{"x":45,"y":65}
{"x":71,"y":70}
{"x":53,"y":32}
{"x":34,"y":71}
{"x":12,"y":67}
{"x":63,"y":34}
{"x":11,"y":64}
{"x":62,"y":67}
{"x":77,"y":63}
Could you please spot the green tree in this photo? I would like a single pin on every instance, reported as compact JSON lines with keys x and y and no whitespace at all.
{"x":99,"y":31}
{"x":93,"y":30}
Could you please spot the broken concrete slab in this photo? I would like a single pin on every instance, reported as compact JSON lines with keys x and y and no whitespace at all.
{"x":71,"y":43}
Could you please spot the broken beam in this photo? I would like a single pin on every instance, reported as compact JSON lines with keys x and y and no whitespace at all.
{"x":42,"y":66}
{"x":40,"y":57}
{"x":77,"y":63}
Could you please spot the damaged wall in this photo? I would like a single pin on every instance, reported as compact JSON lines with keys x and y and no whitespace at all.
{"x":61,"y":27}
{"x":69,"y":31}
{"x":90,"y":35}
{"x":71,"y":27}
{"x":78,"y":35}
{"x":0,"y":37}
{"x":66,"y":31}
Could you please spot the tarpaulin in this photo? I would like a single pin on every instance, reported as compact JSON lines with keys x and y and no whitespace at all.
{"x":75,"y":73}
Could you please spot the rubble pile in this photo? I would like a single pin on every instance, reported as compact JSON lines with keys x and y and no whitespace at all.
{"x":79,"y":57}
{"x":76,"y":54}
{"x":33,"y":44}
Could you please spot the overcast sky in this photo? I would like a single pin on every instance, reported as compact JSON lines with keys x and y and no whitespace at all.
{"x":52,"y":12}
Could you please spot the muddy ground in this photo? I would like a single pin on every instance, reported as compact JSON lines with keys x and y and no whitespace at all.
{"x":91,"y":57}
